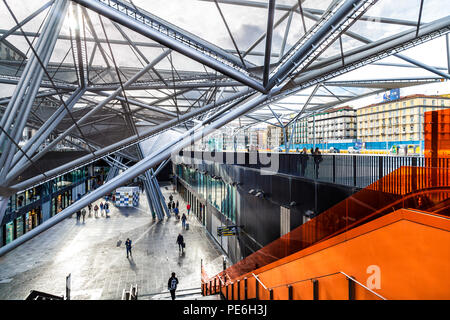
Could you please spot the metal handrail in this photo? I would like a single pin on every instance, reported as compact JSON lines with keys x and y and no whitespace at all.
{"x":354,"y":280}
{"x":327,"y":275}
{"x":298,"y":281}
{"x":256,"y":277}
{"x":223,"y":283}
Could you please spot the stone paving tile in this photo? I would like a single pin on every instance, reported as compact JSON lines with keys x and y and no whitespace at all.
{"x":99,"y":268}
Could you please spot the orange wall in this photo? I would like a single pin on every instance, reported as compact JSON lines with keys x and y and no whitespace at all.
{"x":437,"y":133}
{"x":411,"y":249}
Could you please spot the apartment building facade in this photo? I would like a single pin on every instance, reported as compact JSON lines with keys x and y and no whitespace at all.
{"x":399,"y":121}
{"x":333,"y":124}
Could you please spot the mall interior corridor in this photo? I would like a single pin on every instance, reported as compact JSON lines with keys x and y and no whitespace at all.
{"x":94,"y":254}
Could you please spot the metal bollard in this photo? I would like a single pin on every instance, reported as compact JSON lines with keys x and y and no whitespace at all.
{"x":239,"y":289}
{"x":315,"y":289}
{"x":245,"y":289}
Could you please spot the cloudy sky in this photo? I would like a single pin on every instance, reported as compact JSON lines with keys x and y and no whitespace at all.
{"x":247,"y":24}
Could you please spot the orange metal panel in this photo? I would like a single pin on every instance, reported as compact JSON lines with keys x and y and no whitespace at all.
{"x":302,"y":291}
{"x":423,"y":188}
{"x":334,"y":287}
{"x":408,"y":247}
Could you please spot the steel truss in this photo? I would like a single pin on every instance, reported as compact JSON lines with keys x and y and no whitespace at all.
{"x":195,"y":103}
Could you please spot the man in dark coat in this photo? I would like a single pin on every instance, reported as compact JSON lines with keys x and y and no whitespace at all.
{"x":172,"y":285}
{"x":303,"y":161}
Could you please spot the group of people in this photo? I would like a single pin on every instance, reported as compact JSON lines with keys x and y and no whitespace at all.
{"x":173,"y":207}
{"x":103,"y":207}
{"x":317,"y":157}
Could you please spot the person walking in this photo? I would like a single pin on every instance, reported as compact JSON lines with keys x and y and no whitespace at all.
{"x":172,"y":285}
{"x":90,"y":209}
{"x":83,"y":213}
{"x":180,"y":241}
{"x":96,"y":210}
{"x":107,"y":209}
{"x":78,"y":215}
{"x":317,"y":160}
{"x":101,"y":209}
{"x":183,"y":221}
{"x":177,"y":204}
{"x":169,"y":206}
{"x":303,"y":161}
{"x":188,"y":207}
{"x":176,"y":212}
{"x":128,"y":246}
{"x":171,"y":198}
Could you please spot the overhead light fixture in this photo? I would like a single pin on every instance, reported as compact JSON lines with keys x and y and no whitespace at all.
{"x":252,"y":191}
{"x":260,"y":194}
{"x":293,"y":204}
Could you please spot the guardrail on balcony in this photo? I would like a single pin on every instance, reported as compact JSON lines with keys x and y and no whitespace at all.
{"x":350,"y":170}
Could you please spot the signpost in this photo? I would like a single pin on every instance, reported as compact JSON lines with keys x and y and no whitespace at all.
{"x":227,"y":231}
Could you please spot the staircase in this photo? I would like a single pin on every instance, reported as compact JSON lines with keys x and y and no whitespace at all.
{"x":396,"y":256}
{"x":183,"y":294}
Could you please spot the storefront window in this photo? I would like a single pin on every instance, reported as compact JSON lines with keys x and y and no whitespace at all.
{"x":19,"y":226}
{"x":28,"y":222}
{"x":9,"y":228}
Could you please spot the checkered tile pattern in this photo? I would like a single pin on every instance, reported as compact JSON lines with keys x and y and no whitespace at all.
{"x":129,"y":198}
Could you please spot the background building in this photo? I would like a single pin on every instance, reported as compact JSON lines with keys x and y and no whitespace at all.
{"x":334,"y":124}
{"x":401,"y":121}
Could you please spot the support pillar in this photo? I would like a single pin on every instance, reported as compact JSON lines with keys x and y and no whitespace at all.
{"x":16,"y":113}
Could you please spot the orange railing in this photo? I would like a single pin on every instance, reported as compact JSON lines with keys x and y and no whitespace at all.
{"x":408,"y":187}
{"x":424,"y":188}
{"x":305,"y":289}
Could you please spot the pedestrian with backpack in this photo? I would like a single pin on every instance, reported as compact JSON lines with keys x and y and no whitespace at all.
{"x":180,"y":241}
{"x":107,"y":209}
{"x":172,"y":285}
{"x":101,"y":208}
{"x":83,"y":213}
{"x":128,"y":247}
{"x":90,"y":209}
{"x":183,"y":221}
{"x":96,"y":211}
{"x":176,"y":212}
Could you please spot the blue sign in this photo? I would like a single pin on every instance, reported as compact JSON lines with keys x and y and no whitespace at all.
{"x":393,"y":94}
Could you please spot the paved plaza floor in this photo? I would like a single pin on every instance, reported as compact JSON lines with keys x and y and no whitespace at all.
{"x":94,"y":254}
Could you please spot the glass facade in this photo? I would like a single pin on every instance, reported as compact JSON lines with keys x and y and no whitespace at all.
{"x":25,"y":208}
{"x":218,"y":193}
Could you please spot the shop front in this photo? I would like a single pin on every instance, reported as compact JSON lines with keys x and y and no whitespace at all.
{"x":61,"y":201}
{"x":33,"y":218}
